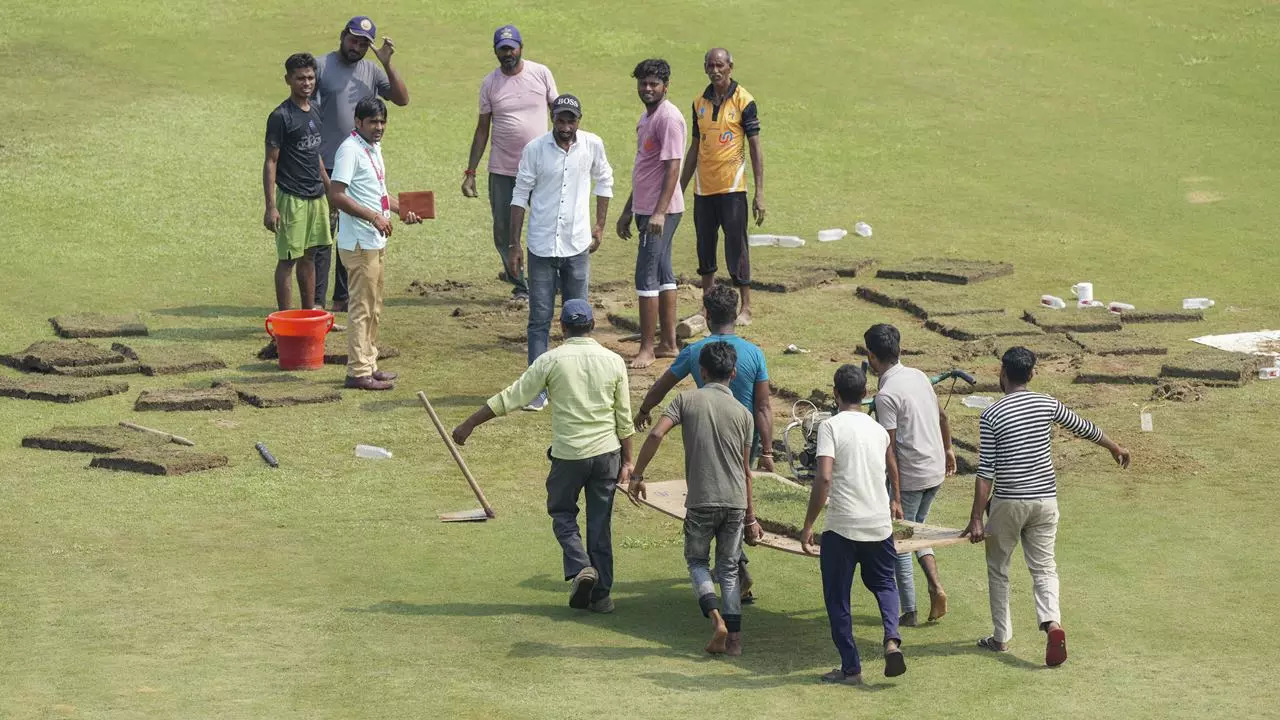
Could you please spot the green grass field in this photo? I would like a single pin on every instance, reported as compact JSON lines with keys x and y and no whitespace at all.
{"x":1127,"y":144}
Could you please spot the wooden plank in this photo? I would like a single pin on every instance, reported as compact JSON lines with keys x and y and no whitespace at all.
{"x":667,"y":497}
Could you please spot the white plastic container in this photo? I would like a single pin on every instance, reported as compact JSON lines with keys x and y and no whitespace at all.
{"x":862,"y":229}
{"x":1052,"y":301}
{"x":1119,"y":307}
{"x":1270,"y":373}
{"x":788,"y":241}
{"x":1197,"y":304}
{"x":832,"y":234}
{"x":977,"y":401}
{"x":1144,"y":418}
{"x":761,"y":240}
{"x":372,"y":452}
{"x":1085,"y":304}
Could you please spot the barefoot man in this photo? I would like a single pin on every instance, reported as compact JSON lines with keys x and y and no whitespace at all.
{"x":725,"y":126}
{"x":717,"y":459}
{"x":1015,"y":455}
{"x":657,"y":207}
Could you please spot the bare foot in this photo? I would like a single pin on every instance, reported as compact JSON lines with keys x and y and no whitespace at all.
{"x":733,"y":646}
{"x":666,"y":351}
{"x":643,"y":359}
{"x":744,"y":317}
{"x":937,"y":605}
{"x":719,"y":635}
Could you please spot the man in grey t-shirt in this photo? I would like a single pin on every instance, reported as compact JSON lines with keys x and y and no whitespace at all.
{"x":717,"y":433}
{"x":920,"y":452}
{"x":344,"y":78}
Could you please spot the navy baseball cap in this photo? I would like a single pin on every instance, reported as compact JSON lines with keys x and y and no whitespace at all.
{"x":576,"y":312}
{"x":507,"y":36}
{"x":362,"y":26}
{"x":566,"y":103}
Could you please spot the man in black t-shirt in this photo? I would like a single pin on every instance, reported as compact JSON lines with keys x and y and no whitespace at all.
{"x":294,"y":182}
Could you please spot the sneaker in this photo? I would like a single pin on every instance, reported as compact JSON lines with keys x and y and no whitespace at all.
{"x":580,"y":591}
{"x":837,"y":676}
{"x":604,"y":605}
{"x":539,"y":403}
{"x":894,"y":663}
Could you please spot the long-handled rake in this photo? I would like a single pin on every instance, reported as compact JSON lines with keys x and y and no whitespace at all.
{"x":485,"y":511}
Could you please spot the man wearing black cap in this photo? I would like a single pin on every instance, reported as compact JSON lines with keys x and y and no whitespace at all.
{"x":590,"y":446}
{"x":553,"y":184}
{"x":514,"y":100}
{"x":344,"y":78}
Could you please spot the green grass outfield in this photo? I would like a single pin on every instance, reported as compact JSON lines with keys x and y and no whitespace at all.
{"x":1067,"y":138}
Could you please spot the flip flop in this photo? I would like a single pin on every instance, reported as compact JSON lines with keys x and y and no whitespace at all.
{"x":894,"y":664}
{"x":1055,"y":649}
{"x":989,"y":643}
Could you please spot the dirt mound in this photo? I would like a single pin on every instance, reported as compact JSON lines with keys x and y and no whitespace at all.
{"x":420,"y":288}
{"x":1177,"y":392}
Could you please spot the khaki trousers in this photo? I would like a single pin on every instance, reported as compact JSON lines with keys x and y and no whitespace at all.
{"x":364,"y":308}
{"x":1035,"y":523}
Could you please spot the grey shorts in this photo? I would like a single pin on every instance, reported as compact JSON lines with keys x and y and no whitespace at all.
{"x":654,"y":273}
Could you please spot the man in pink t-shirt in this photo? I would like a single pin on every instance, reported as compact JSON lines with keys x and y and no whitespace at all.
{"x":657,"y":206}
{"x":514,"y":103}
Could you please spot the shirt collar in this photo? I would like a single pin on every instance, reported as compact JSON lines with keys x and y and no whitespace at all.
{"x":719,"y":386}
{"x":551,"y":141}
{"x":890,"y":372}
{"x":581,"y":340}
{"x":710,"y":92}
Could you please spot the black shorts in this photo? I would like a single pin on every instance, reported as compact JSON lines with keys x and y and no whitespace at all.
{"x":711,"y":213}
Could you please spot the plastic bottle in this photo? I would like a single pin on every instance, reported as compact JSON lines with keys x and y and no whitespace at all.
{"x":372,"y":452}
{"x":1197,"y":304}
{"x":761,"y":240}
{"x":1119,"y":307}
{"x":1271,"y":373}
{"x":1088,"y":304}
{"x":832,"y":234}
{"x":1052,"y":301}
{"x":862,"y":229}
{"x":1145,"y":421}
{"x":977,"y":401}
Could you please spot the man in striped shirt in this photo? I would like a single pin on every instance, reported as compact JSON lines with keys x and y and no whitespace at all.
{"x":1015,"y":455}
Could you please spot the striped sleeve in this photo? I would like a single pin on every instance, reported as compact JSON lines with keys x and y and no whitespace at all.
{"x":1066,"y":418}
{"x":986,"y":449}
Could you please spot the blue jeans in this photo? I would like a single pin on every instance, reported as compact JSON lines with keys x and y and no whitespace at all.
{"x":840,"y":557}
{"x":724,"y":525}
{"x":915,"y":507}
{"x":546,"y":275}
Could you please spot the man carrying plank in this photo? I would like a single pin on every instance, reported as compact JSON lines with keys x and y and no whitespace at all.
{"x":717,"y":438}
{"x":853,"y":452}
{"x":590,"y":446}
{"x":1015,"y":455}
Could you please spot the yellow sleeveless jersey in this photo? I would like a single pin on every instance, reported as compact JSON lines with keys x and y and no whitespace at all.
{"x":722,"y":132}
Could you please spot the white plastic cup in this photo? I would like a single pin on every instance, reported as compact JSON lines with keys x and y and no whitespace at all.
{"x":1052,"y":301}
{"x":1119,"y":307}
{"x":1197,"y":304}
{"x":862,"y":229}
{"x":372,"y":452}
{"x":1083,"y":291}
{"x":831,"y":234}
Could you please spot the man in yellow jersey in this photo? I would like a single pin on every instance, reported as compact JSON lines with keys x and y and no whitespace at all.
{"x":725,"y":124}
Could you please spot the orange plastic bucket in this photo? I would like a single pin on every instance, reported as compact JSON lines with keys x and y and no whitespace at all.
{"x":299,"y":336}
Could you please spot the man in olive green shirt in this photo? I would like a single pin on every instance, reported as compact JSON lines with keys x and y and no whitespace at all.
{"x":590,"y":446}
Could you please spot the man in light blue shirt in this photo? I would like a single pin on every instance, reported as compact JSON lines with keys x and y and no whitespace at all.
{"x":554,"y":184}
{"x":358,"y":190}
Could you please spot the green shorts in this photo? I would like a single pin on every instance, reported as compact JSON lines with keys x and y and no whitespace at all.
{"x":304,"y":223}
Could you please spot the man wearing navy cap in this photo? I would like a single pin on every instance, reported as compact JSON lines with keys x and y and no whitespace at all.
{"x":344,"y":78}
{"x":590,"y":446}
{"x":514,"y":100}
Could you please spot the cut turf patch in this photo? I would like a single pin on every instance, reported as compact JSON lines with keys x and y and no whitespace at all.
{"x":1081,"y":321}
{"x":1120,"y":343}
{"x":91,"y":439}
{"x":1046,"y":347}
{"x":804,"y":279}
{"x":280,"y":391}
{"x":128,"y":367}
{"x":919,"y":301}
{"x":944,"y":270}
{"x":96,"y":325}
{"x":1214,"y":367}
{"x":630,"y":323}
{"x":218,"y":398}
{"x":48,"y":355}
{"x":1166,"y":316}
{"x":159,"y":460}
{"x":1116,"y":370}
{"x":853,"y":268}
{"x":54,"y":388}
{"x":170,"y":359}
{"x":973,"y":327}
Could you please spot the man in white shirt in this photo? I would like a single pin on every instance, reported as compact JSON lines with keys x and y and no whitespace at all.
{"x":553,"y":184}
{"x":920,"y":441}
{"x":358,"y":189}
{"x":853,"y":452}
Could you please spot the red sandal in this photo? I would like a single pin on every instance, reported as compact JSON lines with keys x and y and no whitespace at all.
{"x":1055,"y":649}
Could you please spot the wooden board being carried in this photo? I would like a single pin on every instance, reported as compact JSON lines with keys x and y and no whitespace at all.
{"x":667,"y":497}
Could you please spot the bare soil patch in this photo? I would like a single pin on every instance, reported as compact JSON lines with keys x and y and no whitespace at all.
{"x":1054,"y":346}
{"x":1178,"y":391}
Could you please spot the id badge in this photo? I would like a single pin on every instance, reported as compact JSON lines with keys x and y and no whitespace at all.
{"x":386,"y":203}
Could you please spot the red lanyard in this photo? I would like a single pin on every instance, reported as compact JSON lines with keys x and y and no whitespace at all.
{"x":378,"y":171}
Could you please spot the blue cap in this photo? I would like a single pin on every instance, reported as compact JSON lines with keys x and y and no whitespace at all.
{"x":507,"y":36}
{"x":576,"y":312}
{"x":362,"y":26}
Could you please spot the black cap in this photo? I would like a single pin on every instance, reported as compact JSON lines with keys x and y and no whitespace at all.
{"x":566,"y":103}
